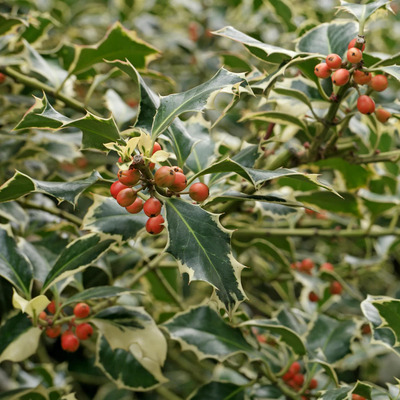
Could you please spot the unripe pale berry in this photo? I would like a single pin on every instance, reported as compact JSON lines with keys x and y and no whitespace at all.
{"x":336,"y":287}
{"x":180,"y":182}
{"x":365,"y":104}
{"x":53,"y":331}
{"x":382,"y":115}
{"x":129,"y":177}
{"x":116,"y":187}
{"x":340,"y":77}
{"x":333,"y":61}
{"x":326,"y":267}
{"x":126,"y":197}
{"x":136,"y":206}
{"x":84,"y":331}
{"x":152,"y":207}
{"x":199,"y":191}
{"x":313,"y":297}
{"x":361,"y":77}
{"x":156,"y":147}
{"x":154,"y":225}
{"x":379,"y":83}
{"x":354,"y":55}
{"x":164,"y":177}
{"x":322,"y":71}
{"x":81,"y":310}
{"x":69,"y":342}
{"x":353,"y":44}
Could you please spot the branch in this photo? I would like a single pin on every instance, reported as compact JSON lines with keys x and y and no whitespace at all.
{"x":392,"y":156}
{"x":36,"y":84}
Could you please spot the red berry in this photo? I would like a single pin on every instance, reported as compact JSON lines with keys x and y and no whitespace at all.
{"x":340,"y":77}
{"x":69,"y":342}
{"x":313,"y":384}
{"x":299,"y":379}
{"x":354,"y":55}
{"x":116,"y":187}
{"x":81,"y":310}
{"x":365,"y":104}
{"x":361,"y":77}
{"x":42,"y":315}
{"x":152,"y":207}
{"x":152,"y":166}
{"x":156,"y":147}
{"x":126,"y":197}
{"x":136,"y":206}
{"x":84,"y":331}
{"x":333,"y":61}
{"x":288,"y":376}
{"x":312,"y":296}
{"x":366,"y":329}
{"x":2,"y":77}
{"x":353,"y":44}
{"x":336,"y":287}
{"x":180,"y":182}
{"x":177,"y":169}
{"x":51,"y":308}
{"x":164,"y":177}
{"x":154,"y":225}
{"x":295,"y":368}
{"x":129,"y":177}
{"x":382,"y":115}
{"x":379,"y":83}
{"x":357,"y":397}
{"x":306,"y":265}
{"x":53,"y":331}
{"x":326,"y":267}
{"x":322,"y":71}
{"x":198,"y":191}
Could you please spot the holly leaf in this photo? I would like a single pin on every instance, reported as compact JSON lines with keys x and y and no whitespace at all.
{"x":219,"y":391}
{"x":204,"y":332}
{"x":118,"y":43}
{"x":192,"y":100}
{"x":202,"y":248}
{"x":363,"y":11}
{"x":20,"y":185}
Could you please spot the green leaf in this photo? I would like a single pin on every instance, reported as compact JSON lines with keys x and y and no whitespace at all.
{"x":77,"y":256}
{"x":130,"y":339}
{"x":276,"y":117}
{"x":300,"y":96}
{"x":219,"y":391}
{"x":42,"y":115}
{"x":21,"y":184}
{"x":9,"y":24}
{"x":336,"y":394}
{"x":283,"y":10}
{"x":328,"y":38}
{"x":331,"y":337}
{"x":378,"y":203}
{"x":118,"y":43}
{"x":287,"y":335}
{"x":98,"y":292}
{"x":204,"y":332}
{"x":202,"y":248}
{"x":14,"y":265}
{"x":18,"y":338}
{"x":266,"y":52}
{"x":192,"y":100}
{"x":96,"y":131}
{"x":107,"y":216}
{"x":123,"y":368}
{"x":347,"y":204}
{"x":363,"y":11}
{"x":393,"y":70}
{"x":39,"y":393}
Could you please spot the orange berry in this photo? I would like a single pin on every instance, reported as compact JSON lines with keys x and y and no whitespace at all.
{"x":84,"y":331}
{"x":69,"y":342}
{"x":42,"y":315}
{"x":152,"y":207}
{"x":126,"y":197}
{"x":365,"y":105}
{"x":156,"y":147}
{"x":382,"y":115}
{"x":53,"y":331}
{"x":322,"y":71}
{"x":164,"y":177}
{"x":129,"y":177}
{"x":379,"y":83}
{"x":326,"y":267}
{"x":361,"y":77}
{"x":136,"y":206}
{"x":81,"y":310}
{"x":180,"y":182}
{"x":116,"y":187}
{"x":333,"y":61}
{"x":354,"y":55}
{"x":340,"y":77}
{"x":155,"y":225}
{"x":353,"y":44}
{"x":199,"y":191}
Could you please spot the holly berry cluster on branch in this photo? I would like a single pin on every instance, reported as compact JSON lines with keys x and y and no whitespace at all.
{"x":353,"y":72}
{"x":295,"y":379}
{"x":167,"y":181}
{"x":54,"y":320}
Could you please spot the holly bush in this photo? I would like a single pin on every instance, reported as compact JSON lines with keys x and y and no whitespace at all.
{"x":199,"y":200}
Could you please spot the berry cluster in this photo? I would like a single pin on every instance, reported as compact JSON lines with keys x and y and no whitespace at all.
{"x":70,"y":338}
{"x":295,"y":379}
{"x":306,"y":266}
{"x":352,"y":71}
{"x":169,"y":181}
